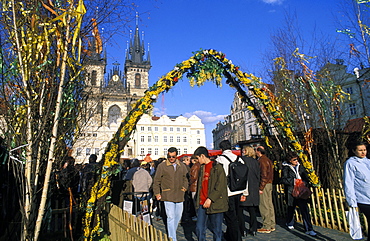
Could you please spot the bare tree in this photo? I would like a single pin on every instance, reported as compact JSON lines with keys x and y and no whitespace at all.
{"x":354,"y":24}
{"x":309,"y":99}
{"x":44,"y":41}
{"x":42,"y":88}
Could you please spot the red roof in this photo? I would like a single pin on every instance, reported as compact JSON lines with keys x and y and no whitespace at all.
{"x":354,"y":125}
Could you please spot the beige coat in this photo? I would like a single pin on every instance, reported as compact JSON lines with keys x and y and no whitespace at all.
{"x":170,"y":183}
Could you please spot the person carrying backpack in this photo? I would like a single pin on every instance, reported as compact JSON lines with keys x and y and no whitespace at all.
{"x":234,"y":197}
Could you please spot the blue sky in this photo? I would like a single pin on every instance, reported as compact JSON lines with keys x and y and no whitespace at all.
{"x":239,"y":28}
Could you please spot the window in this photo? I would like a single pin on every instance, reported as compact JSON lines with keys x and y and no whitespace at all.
{"x":142,"y":138}
{"x":198,"y":132}
{"x":156,"y":128}
{"x":178,"y":129}
{"x":164,"y":128}
{"x":142,"y":151}
{"x":198,"y":141}
{"x":185,"y":150}
{"x":178,"y":139}
{"x":79,"y":151}
{"x":178,"y":151}
{"x":155,"y":138}
{"x":349,"y":90}
{"x":171,"y":138}
{"x":149,"y":128}
{"x":171,"y":128}
{"x":149,"y":150}
{"x":137,"y":80}
{"x":149,"y":138}
{"x":114,"y":113}
{"x":142,"y":128}
{"x":88,"y":151}
{"x":93,"y":77}
{"x":352,"y":109}
{"x":156,"y":151}
{"x":165,"y":151}
{"x":95,"y":134}
{"x":184,"y":139}
{"x":184,"y":129}
{"x":97,"y":151}
{"x":256,"y":129}
{"x":164,"y":138}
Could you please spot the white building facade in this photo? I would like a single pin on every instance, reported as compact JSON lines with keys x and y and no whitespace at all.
{"x":239,"y":125}
{"x":357,"y":87}
{"x":154,"y":135}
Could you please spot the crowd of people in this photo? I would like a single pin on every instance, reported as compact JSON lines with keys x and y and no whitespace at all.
{"x":71,"y":181}
{"x":196,"y":189}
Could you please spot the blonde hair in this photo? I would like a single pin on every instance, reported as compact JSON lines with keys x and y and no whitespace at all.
{"x":249,"y":151}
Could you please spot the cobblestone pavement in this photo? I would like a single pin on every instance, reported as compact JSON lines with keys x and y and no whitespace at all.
{"x":186,"y":232}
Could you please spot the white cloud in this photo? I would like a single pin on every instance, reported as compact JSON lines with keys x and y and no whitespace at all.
{"x":206,"y":116}
{"x":210,"y":146}
{"x":159,"y":112}
{"x":273,"y":1}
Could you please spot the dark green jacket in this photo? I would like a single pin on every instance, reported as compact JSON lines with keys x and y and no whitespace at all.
{"x":217,"y":189}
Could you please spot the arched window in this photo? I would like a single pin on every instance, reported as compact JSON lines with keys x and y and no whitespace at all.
{"x":137,"y":80}
{"x":94,"y":75}
{"x":114,"y":113}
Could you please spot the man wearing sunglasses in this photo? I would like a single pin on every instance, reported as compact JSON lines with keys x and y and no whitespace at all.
{"x":170,"y":184}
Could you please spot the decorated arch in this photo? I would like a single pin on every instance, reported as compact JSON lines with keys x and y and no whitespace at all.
{"x":204,"y":65}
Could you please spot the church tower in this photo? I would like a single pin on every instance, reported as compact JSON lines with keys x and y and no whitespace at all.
{"x":95,"y":63}
{"x":109,"y":98}
{"x":136,"y":66}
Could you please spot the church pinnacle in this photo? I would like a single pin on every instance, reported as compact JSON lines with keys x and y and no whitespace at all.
{"x":136,"y":50}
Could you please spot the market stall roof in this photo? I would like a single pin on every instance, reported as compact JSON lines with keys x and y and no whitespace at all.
{"x":213,"y":153}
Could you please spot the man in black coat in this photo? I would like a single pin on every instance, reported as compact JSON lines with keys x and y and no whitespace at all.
{"x":253,"y":199}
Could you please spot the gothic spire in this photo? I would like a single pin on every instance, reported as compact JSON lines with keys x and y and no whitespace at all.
{"x":95,"y":50}
{"x":136,"y":50}
{"x":148,"y":55}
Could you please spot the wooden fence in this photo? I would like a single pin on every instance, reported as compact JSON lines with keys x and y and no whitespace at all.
{"x":127,"y":227}
{"x":327,"y":208}
{"x":62,"y":222}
